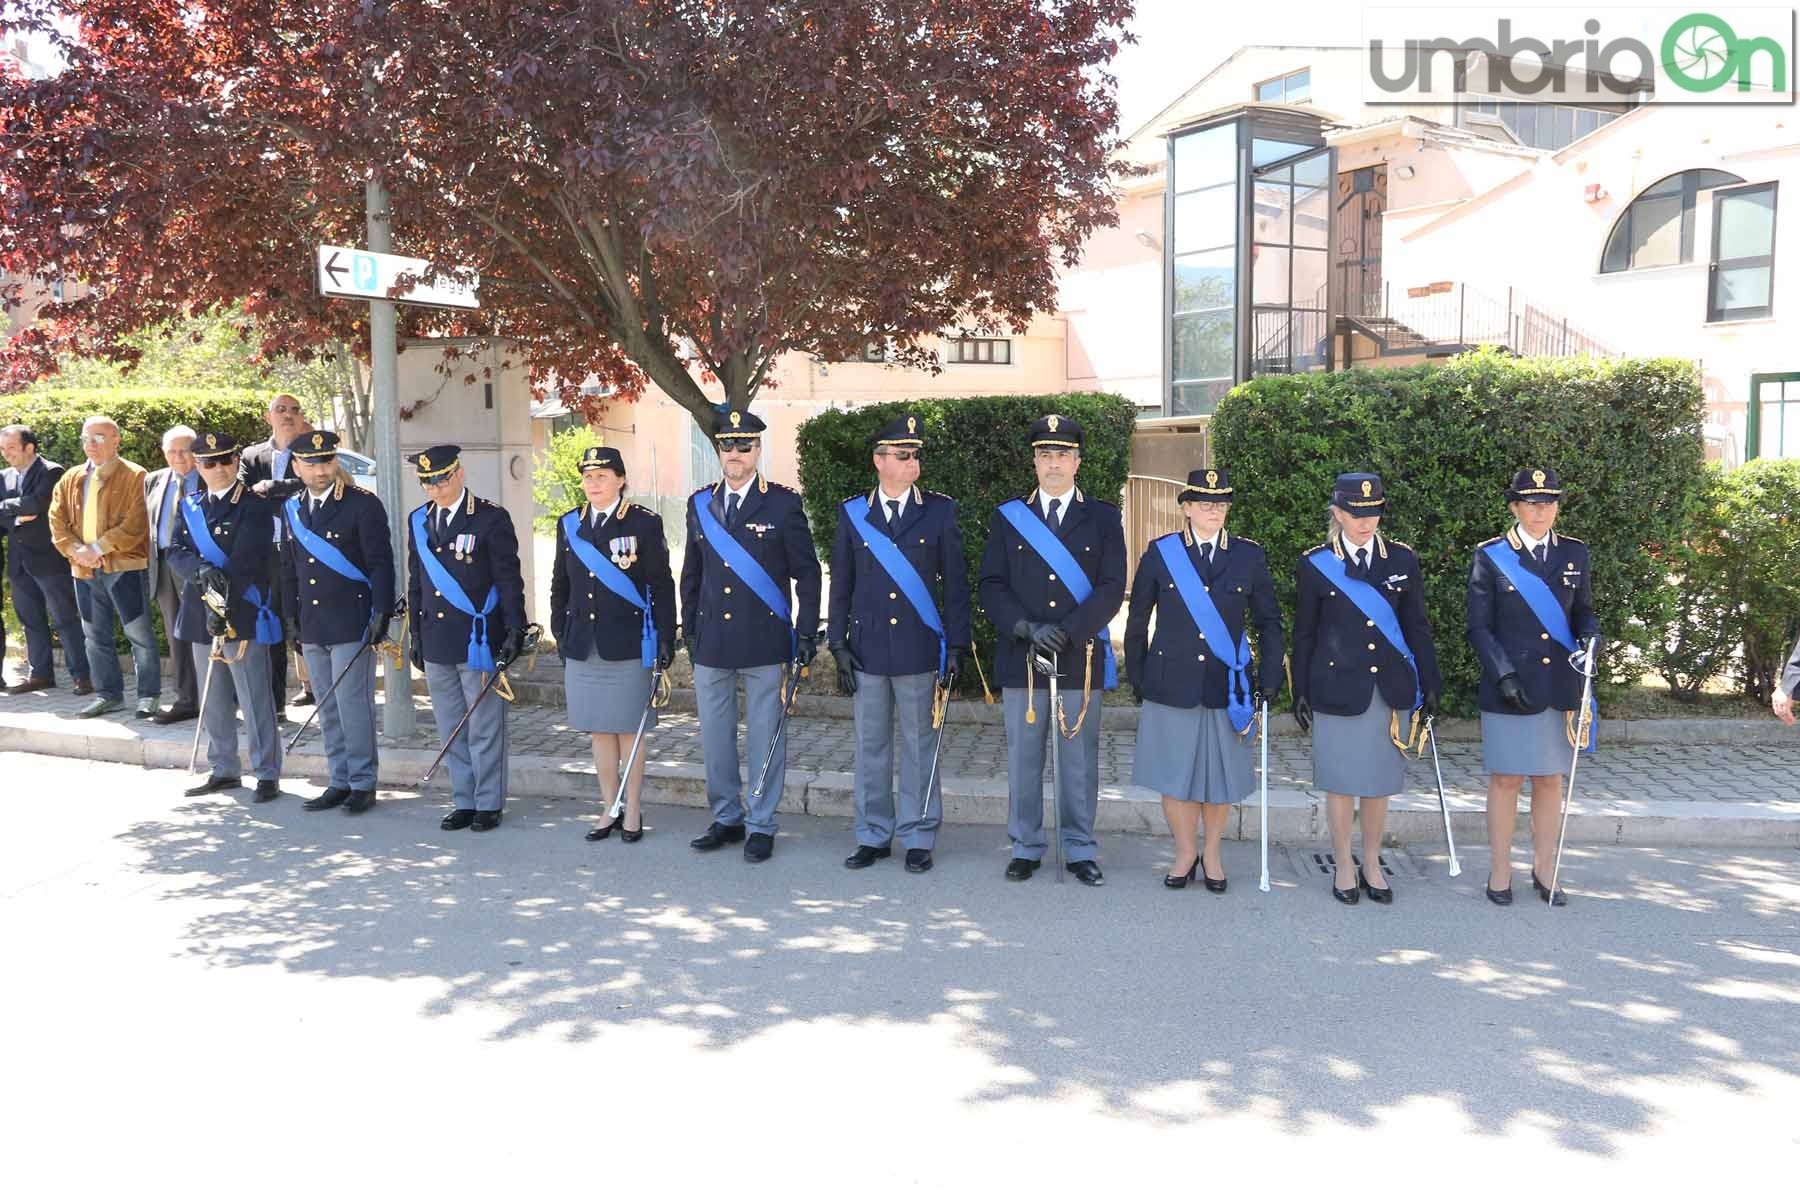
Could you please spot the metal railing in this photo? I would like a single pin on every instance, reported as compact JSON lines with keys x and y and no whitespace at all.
{"x":1459,"y":315}
{"x":1150,"y":510}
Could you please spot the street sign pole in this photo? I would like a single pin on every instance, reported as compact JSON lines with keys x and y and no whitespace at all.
{"x":399,"y":720}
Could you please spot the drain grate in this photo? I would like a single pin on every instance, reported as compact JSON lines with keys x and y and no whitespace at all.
{"x":1393,"y":862}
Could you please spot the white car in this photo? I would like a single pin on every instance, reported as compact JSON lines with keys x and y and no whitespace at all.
{"x":360,"y":466}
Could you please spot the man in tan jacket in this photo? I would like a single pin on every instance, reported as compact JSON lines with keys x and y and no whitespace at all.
{"x":98,"y":522}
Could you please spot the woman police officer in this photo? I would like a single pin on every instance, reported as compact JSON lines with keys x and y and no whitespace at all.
{"x":1205,"y":587}
{"x":1365,"y":672}
{"x":611,"y":558}
{"x":1530,"y":609}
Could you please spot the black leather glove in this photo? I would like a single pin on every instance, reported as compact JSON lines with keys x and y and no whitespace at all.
{"x":510,"y":648}
{"x":290,"y":629}
{"x":1428,"y":707}
{"x":418,"y":652}
{"x":1513,"y":695}
{"x":847,"y":667}
{"x":1270,"y":692}
{"x":1303,"y":713}
{"x":808,"y":647}
{"x":955,"y":665}
{"x":378,"y":629}
{"x":1044,"y":637}
{"x":213,"y":579}
{"x":215,"y":624}
{"x":665,"y":655}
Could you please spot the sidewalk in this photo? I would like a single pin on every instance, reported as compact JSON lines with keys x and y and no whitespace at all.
{"x":1651,"y":792}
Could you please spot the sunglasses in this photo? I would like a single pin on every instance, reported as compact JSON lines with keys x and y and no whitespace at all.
{"x":905,"y":455}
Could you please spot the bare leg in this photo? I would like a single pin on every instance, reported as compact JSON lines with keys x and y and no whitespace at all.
{"x":1502,"y":819}
{"x":1546,"y":821}
{"x":606,"y":766}
{"x":634,"y":786}
{"x":1184,"y":827}
{"x":1214,"y":816}
{"x":1340,"y":812}
{"x":1374,"y":824}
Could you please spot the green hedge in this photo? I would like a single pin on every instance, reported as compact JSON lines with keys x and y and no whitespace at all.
{"x":976,"y":450}
{"x":56,"y":414}
{"x":1738,"y":582}
{"x":556,"y":476}
{"x":1625,"y":436}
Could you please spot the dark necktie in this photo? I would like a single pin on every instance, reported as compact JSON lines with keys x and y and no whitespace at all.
{"x":443,"y":522}
{"x":1537,"y":552}
{"x":1206,"y":549}
{"x":893,"y":513}
{"x":1055,"y":519}
{"x":1362,"y":559}
{"x":599,"y":520}
{"x":731,"y":507}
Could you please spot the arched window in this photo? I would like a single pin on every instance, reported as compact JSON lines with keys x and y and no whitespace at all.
{"x":1657,"y":228}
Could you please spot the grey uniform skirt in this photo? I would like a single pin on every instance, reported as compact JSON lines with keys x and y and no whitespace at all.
{"x":1513,"y":744}
{"x":1356,"y":756}
{"x":605,"y":696}
{"x":1191,"y":754}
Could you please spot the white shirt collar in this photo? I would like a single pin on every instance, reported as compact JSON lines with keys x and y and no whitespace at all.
{"x":885,"y":499}
{"x":1530,"y":543}
{"x":221,"y":494}
{"x":611,"y":512}
{"x":1351,"y":549}
{"x":460,"y":498}
{"x":1044,"y":499}
{"x":742,"y":493}
{"x":1199,"y":541}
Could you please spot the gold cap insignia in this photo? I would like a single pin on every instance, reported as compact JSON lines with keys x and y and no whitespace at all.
{"x":1537,"y":478}
{"x":212,"y":441}
{"x":1212,"y":479}
{"x":318,"y":440}
{"x":1054,"y":421}
{"x":425,"y":462}
{"x":912,"y":425}
{"x":1368,"y":488}
{"x":737,"y":418}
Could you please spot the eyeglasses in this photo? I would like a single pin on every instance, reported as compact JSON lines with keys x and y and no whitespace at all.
{"x":292,"y":410}
{"x":905,"y":455}
{"x":1211,"y":506}
{"x":95,"y":439}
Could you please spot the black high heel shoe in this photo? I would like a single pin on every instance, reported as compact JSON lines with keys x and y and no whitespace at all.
{"x":1501,"y":896}
{"x":1212,"y":885}
{"x":1378,"y":895}
{"x":1543,"y":892}
{"x":1350,"y":896}
{"x":631,"y":835}
{"x":1181,"y":881}
{"x":600,"y":833}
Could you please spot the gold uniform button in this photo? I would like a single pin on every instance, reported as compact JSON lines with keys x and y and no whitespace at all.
{"x":1371,"y":645}
{"x":728,"y":591}
{"x":439,"y":594}
{"x":1546,"y":661}
{"x":1372,"y":670}
{"x":1203,"y":658}
{"x":728,"y":616}
{"x":1053,"y":604}
{"x":1369,"y":624}
{"x":893,"y":595}
{"x":593,"y":616}
{"x":1543,"y":637}
{"x":440,"y":616}
{"x":591,"y":596}
{"x":312,"y":581}
{"x":1053,"y":579}
{"x":315,"y":602}
{"x":311,"y":561}
{"x":1334,"y":593}
{"x":893,"y":620}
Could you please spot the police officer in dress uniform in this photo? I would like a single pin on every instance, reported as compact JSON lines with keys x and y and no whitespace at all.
{"x":1365,"y":673}
{"x":467,"y":597}
{"x":222,"y":547}
{"x":897,"y":548}
{"x":749,"y":554}
{"x":612,"y":611}
{"x":1052,"y":578}
{"x":1530,"y":608}
{"x":337,"y":575}
{"x":1200,"y":696}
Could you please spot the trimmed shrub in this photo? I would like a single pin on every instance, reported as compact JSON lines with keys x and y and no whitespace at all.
{"x":56,"y":414}
{"x":976,"y":451}
{"x":556,"y":477}
{"x":1737,"y":582}
{"x":1624,"y":436}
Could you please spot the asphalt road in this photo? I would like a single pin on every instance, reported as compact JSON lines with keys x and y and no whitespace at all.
{"x":248,"y":999}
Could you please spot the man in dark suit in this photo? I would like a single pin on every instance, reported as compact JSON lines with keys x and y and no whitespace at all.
{"x":749,"y":553}
{"x":163,"y":490}
{"x":43,"y":590}
{"x":268,"y":468}
{"x":894,"y":643}
{"x":1056,"y":605}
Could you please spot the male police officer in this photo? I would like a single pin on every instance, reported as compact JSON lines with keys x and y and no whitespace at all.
{"x":748,"y":549}
{"x":221,"y":551}
{"x":1052,"y":577}
{"x":892,"y":642}
{"x":337,"y":576}
{"x":467,"y":596}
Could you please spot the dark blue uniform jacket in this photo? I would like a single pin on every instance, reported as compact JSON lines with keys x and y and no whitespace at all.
{"x":331,"y":609}
{"x":584,"y":614}
{"x":483,"y":533}
{"x":1340,"y":658}
{"x":241,"y":523}
{"x":871,"y":615}
{"x":1508,"y":638}
{"x":727,"y":625}
{"x":1176,"y":667}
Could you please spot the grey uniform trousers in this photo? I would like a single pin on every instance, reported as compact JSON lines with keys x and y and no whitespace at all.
{"x":347,"y":720}
{"x":245,"y":681}
{"x":1077,"y":776}
{"x":880,"y":699}
{"x":477,"y":758}
{"x":715,"y":693}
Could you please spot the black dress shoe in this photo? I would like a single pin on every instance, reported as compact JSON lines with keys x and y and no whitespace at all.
{"x":360,"y":801}
{"x":717,"y":835}
{"x":1543,"y":891}
{"x":1177,"y":882}
{"x":304,"y":699}
{"x":485,"y":820}
{"x":457,"y":818}
{"x":175,"y":715}
{"x":628,"y":836}
{"x":1500,"y":896}
{"x":1021,"y":868}
{"x":215,"y":783}
{"x":331,"y":797}
{"x":1088,"y":872}
{"x":267,"y":790}
{"x":918,"y":862}
{"x":758,"y":847}
{"x":600,"y":833}
{"x":1378,"y":895}
{"x":1347,"y":896}
{"x":36,"y":683}
{"x":865,"y":856}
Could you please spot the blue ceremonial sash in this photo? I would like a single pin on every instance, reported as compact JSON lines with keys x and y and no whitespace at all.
{"x":746,"y":568}
{"x":1060,"y":561}
{"x":1372,"y":605}
{"x":1542,"y":602}
{"x":327,"y":553}
{"x":615,"y":581}
{"x":268,"y":625}
{"x":1211,"y":625}
{"x":900,"y":571}
{"x":481,"y":655}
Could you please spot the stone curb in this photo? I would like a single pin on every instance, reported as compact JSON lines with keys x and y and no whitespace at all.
{"x":1295,"y":816}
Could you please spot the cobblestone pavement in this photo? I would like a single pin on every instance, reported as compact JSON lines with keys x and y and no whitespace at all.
{"x":1653,"y":771}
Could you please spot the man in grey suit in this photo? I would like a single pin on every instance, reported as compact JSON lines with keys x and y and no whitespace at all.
{"x":163,"y":490}
{"x":43,"y":590}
